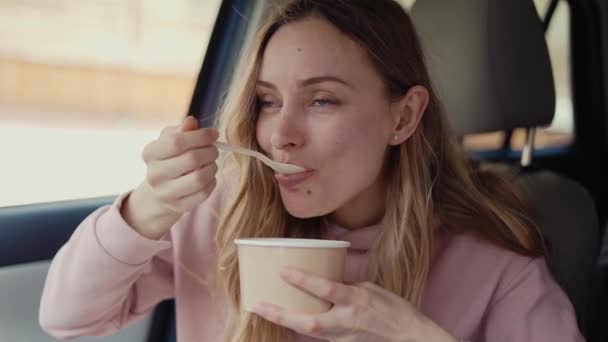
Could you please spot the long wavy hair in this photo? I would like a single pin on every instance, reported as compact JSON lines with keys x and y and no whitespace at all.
{"x":428,"y":178}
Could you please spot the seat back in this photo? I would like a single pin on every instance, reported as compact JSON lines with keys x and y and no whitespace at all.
{"x":566,"y":213}
{"x":490,"y":65}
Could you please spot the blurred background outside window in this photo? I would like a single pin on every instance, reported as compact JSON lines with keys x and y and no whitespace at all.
{"x":85,"y":84}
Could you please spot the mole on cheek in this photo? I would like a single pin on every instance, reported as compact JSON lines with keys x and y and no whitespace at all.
{"x":299,"y":50}
{"x":308,"y":192}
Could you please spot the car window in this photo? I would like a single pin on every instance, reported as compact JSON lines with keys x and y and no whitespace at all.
{"x":85,"y":84}
{"x":561,"y":131}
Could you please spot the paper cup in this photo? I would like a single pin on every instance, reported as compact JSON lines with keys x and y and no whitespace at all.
{"x":261,"y":261}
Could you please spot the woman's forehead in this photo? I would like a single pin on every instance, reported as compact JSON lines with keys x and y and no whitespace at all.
{"x":313,"y":47}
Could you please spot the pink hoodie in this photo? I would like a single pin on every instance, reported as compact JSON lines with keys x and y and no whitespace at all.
{"x":108,"y":276}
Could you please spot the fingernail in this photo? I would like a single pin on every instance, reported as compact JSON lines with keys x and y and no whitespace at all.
{"x":260,"y":309}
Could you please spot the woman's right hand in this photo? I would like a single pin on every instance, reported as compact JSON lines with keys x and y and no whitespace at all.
{"x":180,"y":176}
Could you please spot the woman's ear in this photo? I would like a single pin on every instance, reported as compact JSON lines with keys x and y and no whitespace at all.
{"x":407,"y":112}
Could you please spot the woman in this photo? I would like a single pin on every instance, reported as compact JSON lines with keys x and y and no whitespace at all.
{"x":441,"y":251}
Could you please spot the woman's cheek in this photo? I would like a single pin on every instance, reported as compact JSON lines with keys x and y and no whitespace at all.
{"x":338,"y":138}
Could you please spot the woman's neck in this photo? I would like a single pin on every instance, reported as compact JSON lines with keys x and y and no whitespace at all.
{"x":365,"y":210}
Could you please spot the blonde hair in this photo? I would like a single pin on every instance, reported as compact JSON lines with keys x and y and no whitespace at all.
{"x":428,"y":178}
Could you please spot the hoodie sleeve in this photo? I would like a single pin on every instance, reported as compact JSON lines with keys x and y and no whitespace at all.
{"x":105,"y":277}
{"x":531,"y":307}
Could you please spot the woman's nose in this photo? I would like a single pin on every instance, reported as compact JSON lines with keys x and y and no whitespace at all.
{"x":287,"y":132}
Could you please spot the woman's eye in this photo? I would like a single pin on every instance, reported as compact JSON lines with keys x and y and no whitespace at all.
{"x":265,"y":103}
{"x":323,"y":102}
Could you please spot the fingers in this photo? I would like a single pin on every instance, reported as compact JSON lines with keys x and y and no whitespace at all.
{"x":371,"y":287}
{"x":189,"y":124}
{"x":320,"y":287}
{"x":191,"y":201}
{"x":312,"y":325}
{"x":182,"y":164}
{"x":189,"y":183}
{"x":175,"y":143}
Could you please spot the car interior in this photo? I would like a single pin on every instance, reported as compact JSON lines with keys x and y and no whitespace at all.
{"x":501,"y":79}
{"x":492,"y":68}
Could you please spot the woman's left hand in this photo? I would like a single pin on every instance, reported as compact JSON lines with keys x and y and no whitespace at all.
{"x":363,"y":312}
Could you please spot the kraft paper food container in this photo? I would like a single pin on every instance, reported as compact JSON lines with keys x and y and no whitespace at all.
{"x":262,"y":259}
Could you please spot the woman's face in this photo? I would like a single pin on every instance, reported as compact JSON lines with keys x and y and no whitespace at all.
{"x":323,"y":107}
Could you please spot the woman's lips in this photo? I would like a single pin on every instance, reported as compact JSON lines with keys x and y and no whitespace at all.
{"x":290,"y":181}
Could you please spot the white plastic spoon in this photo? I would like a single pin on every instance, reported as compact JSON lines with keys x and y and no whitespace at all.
{"x":278,"y":167}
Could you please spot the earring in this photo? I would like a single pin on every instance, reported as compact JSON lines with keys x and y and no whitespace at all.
{"x":395,"y":137}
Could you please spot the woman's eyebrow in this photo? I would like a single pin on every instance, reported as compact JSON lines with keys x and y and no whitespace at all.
{"x":308,"y":82}
{"x":320,"y":79}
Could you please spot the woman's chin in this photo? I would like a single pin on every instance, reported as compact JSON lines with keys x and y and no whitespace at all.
{"x":301,"y":214}
{"x":303,"y":207}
